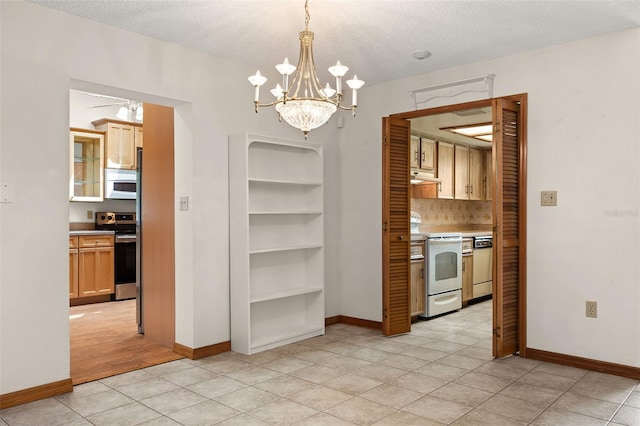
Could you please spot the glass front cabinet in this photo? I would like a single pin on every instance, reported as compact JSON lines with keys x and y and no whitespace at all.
{"x":86,"y":177}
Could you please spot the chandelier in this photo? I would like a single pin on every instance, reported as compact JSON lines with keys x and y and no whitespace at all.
{"x":301,"y":100}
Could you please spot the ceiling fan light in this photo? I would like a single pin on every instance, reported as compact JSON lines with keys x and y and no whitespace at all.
{"x":123,"y":113}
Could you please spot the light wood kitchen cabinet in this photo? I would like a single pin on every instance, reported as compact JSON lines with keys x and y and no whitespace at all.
{"x":476,"y":170}
{"x":488,"y":175}
{"x":418,"y":295}
{"x":91,"y":265}
{"x":138,"y":136}
{"x":423,"y":152}
{"x":424,"y":190}
{"x":86,"y":181}
{"x":461,"y":173}
{"x":73,"y":267}
{"x":445,"y":170}
{"x":468,"y":173}
{"x":467,"y":277}
{"x":122,"y":138}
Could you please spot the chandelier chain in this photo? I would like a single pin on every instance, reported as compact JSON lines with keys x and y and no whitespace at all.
{"x":307,"y":16}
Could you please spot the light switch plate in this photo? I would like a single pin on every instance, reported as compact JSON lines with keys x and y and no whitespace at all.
{"x":548,"y":198}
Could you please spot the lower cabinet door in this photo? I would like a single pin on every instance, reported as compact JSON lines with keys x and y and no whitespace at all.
{"x":96,"y":271}
{"x":467,"y":278}
{"x":417,"y":288}
{"x":73,"y":273}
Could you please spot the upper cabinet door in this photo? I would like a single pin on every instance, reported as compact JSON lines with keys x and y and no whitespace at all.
{"x":415,"y":152}
{"x":445,"y":170}
{"x":476,"y":161}
{"x":427,"y":154}
{"x":120,"y":146}
{"x":121,"y":141}
{"x":86,"y":174}
{"x":461,"y":191}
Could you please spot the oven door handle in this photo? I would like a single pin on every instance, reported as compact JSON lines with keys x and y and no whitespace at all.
{"x":126,"y":238}
{"x":444,"y":240}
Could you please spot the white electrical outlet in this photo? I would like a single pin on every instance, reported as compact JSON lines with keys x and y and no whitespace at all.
{"x":184,"y":203}
{"x":6,"y":193}
{"x":592,"y":309}
{"x":89,"y":214}
{"x":548,"y":198}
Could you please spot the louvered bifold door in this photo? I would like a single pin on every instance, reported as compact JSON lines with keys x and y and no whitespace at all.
{"x":395,"y":226}
{"x":508,"y":160}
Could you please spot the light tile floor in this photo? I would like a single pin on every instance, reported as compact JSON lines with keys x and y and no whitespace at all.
{"x":440,"y":373}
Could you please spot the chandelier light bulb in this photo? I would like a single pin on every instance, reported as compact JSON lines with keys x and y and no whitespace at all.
{"x":328,"y":91}
{"x":338,"y":70}
{"x":285,"y":68}
{"x":277,"y":92}
{"x":355,"y":83}
{"x":257,"y":79}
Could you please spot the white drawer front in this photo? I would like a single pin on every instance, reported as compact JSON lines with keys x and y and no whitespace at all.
{"x":444,"y":302}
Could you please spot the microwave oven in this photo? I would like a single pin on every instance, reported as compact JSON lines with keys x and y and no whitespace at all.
{"x":120,"y":184}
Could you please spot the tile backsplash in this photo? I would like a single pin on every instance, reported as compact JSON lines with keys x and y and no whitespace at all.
{"x":453,"y":212}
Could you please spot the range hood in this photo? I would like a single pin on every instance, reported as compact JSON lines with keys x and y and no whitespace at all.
{"x":418,"y":176}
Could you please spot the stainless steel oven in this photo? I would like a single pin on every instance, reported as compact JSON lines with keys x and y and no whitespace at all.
{"x":124,"y":226}
{"x":444,"y":273}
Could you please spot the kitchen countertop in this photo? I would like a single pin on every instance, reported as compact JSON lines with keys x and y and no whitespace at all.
{"x":90,"y":232}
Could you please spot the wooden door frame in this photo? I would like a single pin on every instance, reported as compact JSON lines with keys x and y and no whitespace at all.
{"x":522,"y":285}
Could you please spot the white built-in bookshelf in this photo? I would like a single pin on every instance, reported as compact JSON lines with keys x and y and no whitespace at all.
{"x":276,"y":242}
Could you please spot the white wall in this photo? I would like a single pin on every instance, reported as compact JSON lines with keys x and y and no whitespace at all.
{"x":44,"y":53}
{"x":583,"y":141}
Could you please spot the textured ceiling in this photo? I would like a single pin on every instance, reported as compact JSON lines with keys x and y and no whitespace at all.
{"x":375,"y":38}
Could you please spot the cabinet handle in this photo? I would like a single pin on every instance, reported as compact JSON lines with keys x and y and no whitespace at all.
{"x":422,"y":273}
{"x":472,"y":189}
{"x":439,"y":186}
{"x":400,"y":237}
{"x":423,"y":154}
{"x":417,"y":155}
{"x":466,"y":189}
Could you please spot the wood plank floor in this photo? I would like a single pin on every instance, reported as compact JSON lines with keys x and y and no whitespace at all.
{"x":105,"y":342}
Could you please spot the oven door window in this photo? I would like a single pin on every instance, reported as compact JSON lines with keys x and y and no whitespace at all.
{"x":446,"y":265}
{"x":125,"y":263}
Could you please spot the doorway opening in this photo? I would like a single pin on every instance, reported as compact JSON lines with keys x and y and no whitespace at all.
{"x":105,"y":337}
{"x":507,"y":181}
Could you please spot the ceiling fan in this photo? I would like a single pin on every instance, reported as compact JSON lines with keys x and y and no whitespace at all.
{"x":130,"y":110}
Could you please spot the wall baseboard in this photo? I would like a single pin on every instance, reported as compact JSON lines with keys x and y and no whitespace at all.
{"x":332,"y":320}
{"x":35,"y":393}
{"x":352,"y":321}
{"x":584,"y":363}
{"x":202,"y":352}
